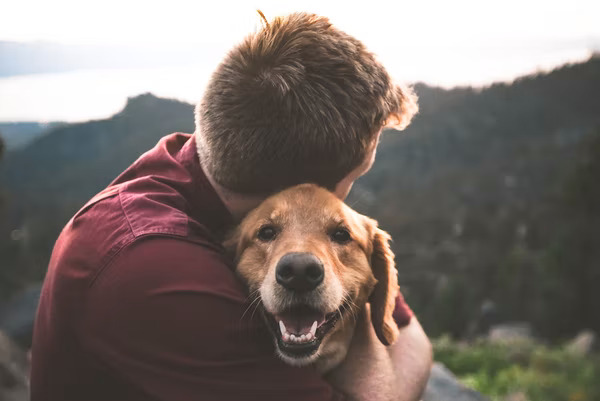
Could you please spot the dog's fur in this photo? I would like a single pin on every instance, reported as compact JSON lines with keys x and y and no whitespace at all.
{"x":356,"y":272}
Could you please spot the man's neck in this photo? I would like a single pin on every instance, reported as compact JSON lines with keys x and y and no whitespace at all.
{"x":238,"y":204}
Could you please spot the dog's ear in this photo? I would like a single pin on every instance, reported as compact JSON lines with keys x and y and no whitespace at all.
{"x":238,"y":239}
{"x":232,"y":244}
{"x":383,"y":297}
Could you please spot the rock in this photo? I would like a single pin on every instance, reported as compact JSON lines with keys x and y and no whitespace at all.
{"x":518,"y":396}
{"x":14,"y":368}
{"x":583,"y":343}
{"x":510,"y":332}
{"x":17,"y":316}
{"x":485,"y":319}
{"x":444,"y":386}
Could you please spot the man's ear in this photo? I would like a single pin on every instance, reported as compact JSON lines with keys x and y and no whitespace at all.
{"x":383,"y":297}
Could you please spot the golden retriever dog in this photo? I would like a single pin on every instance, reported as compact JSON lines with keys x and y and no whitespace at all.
{"x":314,"y":264}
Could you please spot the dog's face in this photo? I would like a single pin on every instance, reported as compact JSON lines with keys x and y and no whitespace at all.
{"x":313,"y":263}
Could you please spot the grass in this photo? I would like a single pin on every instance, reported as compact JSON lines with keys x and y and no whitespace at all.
{"x":537,"y":372}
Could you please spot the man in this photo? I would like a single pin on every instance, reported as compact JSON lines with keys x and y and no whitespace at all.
{"x":140,"y":302}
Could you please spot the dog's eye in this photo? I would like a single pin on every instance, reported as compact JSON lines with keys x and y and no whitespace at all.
{"x":341,"y":236}
{"x":266,"y":233}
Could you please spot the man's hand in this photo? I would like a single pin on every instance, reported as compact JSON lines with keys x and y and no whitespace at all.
{"x":373,"y":372}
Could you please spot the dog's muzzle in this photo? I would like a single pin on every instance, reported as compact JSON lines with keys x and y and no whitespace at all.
{"x":301,"y":326}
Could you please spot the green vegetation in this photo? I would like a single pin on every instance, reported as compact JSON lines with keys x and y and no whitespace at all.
{"x":539,"y":372}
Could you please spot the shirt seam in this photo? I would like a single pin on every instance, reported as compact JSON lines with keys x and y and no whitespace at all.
{"x":125,"y":213}
{"x":115,"y":250}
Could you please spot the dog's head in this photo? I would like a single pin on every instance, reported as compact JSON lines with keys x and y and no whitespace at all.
{"x":314,"y":262}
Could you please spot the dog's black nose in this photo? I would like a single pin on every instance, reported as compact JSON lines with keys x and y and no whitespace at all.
{"x":299,"y":271}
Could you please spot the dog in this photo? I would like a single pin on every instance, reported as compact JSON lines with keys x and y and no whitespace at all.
{"x":314,"y":265}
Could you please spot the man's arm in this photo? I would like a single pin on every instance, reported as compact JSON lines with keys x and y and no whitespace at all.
{"x":169,"y":319}
{"x":412,"y":357}
{"x":373,"y":372}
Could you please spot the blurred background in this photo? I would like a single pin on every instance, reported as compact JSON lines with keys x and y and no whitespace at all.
{"x":492,"y":194}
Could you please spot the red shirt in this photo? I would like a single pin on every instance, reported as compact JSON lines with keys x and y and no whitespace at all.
{"x":140,"y":302}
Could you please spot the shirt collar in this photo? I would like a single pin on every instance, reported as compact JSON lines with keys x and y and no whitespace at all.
{"x":205,"y":204}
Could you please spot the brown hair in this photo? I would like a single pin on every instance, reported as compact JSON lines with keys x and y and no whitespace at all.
{"x":297,"y":101}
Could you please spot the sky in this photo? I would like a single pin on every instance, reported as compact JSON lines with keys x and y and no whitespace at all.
{"x":384,"y":24}
{"x":445,"y":43}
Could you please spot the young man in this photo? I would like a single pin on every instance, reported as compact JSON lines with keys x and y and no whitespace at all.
{"x":140,"y":302}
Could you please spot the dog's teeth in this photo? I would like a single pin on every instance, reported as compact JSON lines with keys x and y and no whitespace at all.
{"x":282,"y":327}
{"x":298,"y":338}
{"x":313,"y":329}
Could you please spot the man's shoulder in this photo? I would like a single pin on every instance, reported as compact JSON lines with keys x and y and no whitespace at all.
{"x":119,"y":220}
{"x":141,"y":212}
{"x":172,"y":264}
{"x":124,"y":212}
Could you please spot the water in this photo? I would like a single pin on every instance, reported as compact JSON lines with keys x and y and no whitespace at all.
{"x":93,"y":94}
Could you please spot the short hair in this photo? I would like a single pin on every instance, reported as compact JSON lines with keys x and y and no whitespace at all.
{"x":297,"y":101}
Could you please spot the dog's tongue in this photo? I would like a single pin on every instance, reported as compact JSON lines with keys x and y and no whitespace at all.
{"x":300,"y":321}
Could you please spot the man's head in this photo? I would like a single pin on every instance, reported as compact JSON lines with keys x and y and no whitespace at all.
{"x":298,"y":101}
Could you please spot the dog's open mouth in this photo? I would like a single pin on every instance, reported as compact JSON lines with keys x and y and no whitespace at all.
{"x":299,"y":330}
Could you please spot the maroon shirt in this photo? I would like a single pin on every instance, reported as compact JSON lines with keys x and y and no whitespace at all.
{"x":140,"y":303}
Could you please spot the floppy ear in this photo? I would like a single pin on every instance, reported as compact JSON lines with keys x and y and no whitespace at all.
{"x":383,"y":297}
{"x":232,"y":244}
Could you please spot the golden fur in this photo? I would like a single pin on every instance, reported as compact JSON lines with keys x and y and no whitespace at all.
{"x":355,"y":272}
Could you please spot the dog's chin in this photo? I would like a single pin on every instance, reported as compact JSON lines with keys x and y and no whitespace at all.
{"x":296,"y":360}
{"x":299,"y":332}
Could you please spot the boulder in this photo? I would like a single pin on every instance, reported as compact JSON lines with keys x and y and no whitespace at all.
{"x":14,"y":371}
{"x":444,"y":386}
{"x":518,"y":396}
{"x":510,"y":332}
{"x":17,"y":315}
{"x":582,"y":344}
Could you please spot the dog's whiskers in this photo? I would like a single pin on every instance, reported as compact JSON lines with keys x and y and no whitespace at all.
{"x":339,"y":311}
{"x":255,"y":301}
{"x":351,"y":307}
{"x":259,"y":303}
{"x":252,"y":294}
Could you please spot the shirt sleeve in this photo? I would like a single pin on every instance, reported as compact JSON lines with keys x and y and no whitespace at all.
{"x":170,"y":318}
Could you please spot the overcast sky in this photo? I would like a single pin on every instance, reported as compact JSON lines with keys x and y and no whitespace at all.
{"x":389,"y":24}
{"x":445,"y":43}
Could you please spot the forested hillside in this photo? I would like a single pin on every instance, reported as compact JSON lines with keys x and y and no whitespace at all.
{"x":49,"y":180}
{"x":17,"y":135}
{"x":490,"y":194}
{"x":474,"y":193}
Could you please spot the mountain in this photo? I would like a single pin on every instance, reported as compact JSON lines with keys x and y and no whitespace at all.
{"x":51,"y":178}
{"x":475,"y":194}
{"x":19,"y":134}
{"x":471,"y":192}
